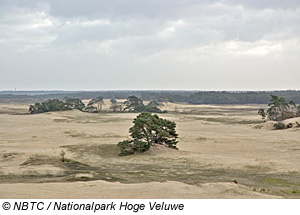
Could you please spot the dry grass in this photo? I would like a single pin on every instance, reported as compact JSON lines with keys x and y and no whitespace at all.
{"x":217,"y":144}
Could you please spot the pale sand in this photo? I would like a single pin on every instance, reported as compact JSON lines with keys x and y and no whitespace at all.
{"x":222,"y":143}
{"x":153,"y":190}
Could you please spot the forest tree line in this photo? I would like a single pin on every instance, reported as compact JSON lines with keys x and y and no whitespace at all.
{"x":191,"y":97}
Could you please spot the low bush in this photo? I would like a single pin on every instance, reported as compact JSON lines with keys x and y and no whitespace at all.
{"x":279,"y":126}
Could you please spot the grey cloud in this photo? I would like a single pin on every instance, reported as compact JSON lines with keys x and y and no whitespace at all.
{"x":260,"y":4}
{"x":104,"y":39}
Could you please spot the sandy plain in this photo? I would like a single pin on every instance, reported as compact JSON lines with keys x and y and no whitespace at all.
{"x":225,"y":151}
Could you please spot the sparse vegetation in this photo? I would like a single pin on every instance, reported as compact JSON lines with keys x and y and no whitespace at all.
{"x":62,"y":154}
{"x":201,"y":139}
{"x":9,"y":156}
{"x":208,"y":130}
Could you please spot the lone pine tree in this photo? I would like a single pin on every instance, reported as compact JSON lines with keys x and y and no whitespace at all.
{"x":147,"y":131}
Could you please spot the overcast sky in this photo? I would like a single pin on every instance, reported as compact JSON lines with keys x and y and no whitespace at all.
{"x":150,"y":44}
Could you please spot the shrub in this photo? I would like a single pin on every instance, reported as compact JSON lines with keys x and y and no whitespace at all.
{"x":279,"y":126}
{"x":125,"y":147}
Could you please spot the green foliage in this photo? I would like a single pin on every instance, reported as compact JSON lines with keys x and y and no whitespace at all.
{"x":192,"y":97}
{"x":261,"y":112}
{"x":149,"y":130}
{"x":133,"y":103}
{"x":279,"y":109}
{"x":277,"y":106}
{"x":223,"y":97}
{"x":292,"y":104}
{"x":48,"y":106}
{"x":126,"y":147}
{"x":147,"y":108}
{"x":136,"y":105}
{"x":75,"y":103}
{"x":57,"y":105}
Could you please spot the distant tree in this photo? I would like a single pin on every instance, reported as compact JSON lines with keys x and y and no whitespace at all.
{"x":279,"y":109}
{"x":113,"y":101}
{"x":37,"y":108}
{"x":97,"y":103}
{"x":75,"y":103}
{"x":49,"y":106}
{"x":152,"y":107}
{"x":133,"y":103}
{"x":149,"y":130}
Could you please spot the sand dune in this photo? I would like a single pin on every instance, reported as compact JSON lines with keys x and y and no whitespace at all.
{"x":217,"y":145}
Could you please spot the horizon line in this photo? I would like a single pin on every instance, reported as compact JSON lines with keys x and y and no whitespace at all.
{"x":191,"y":90}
